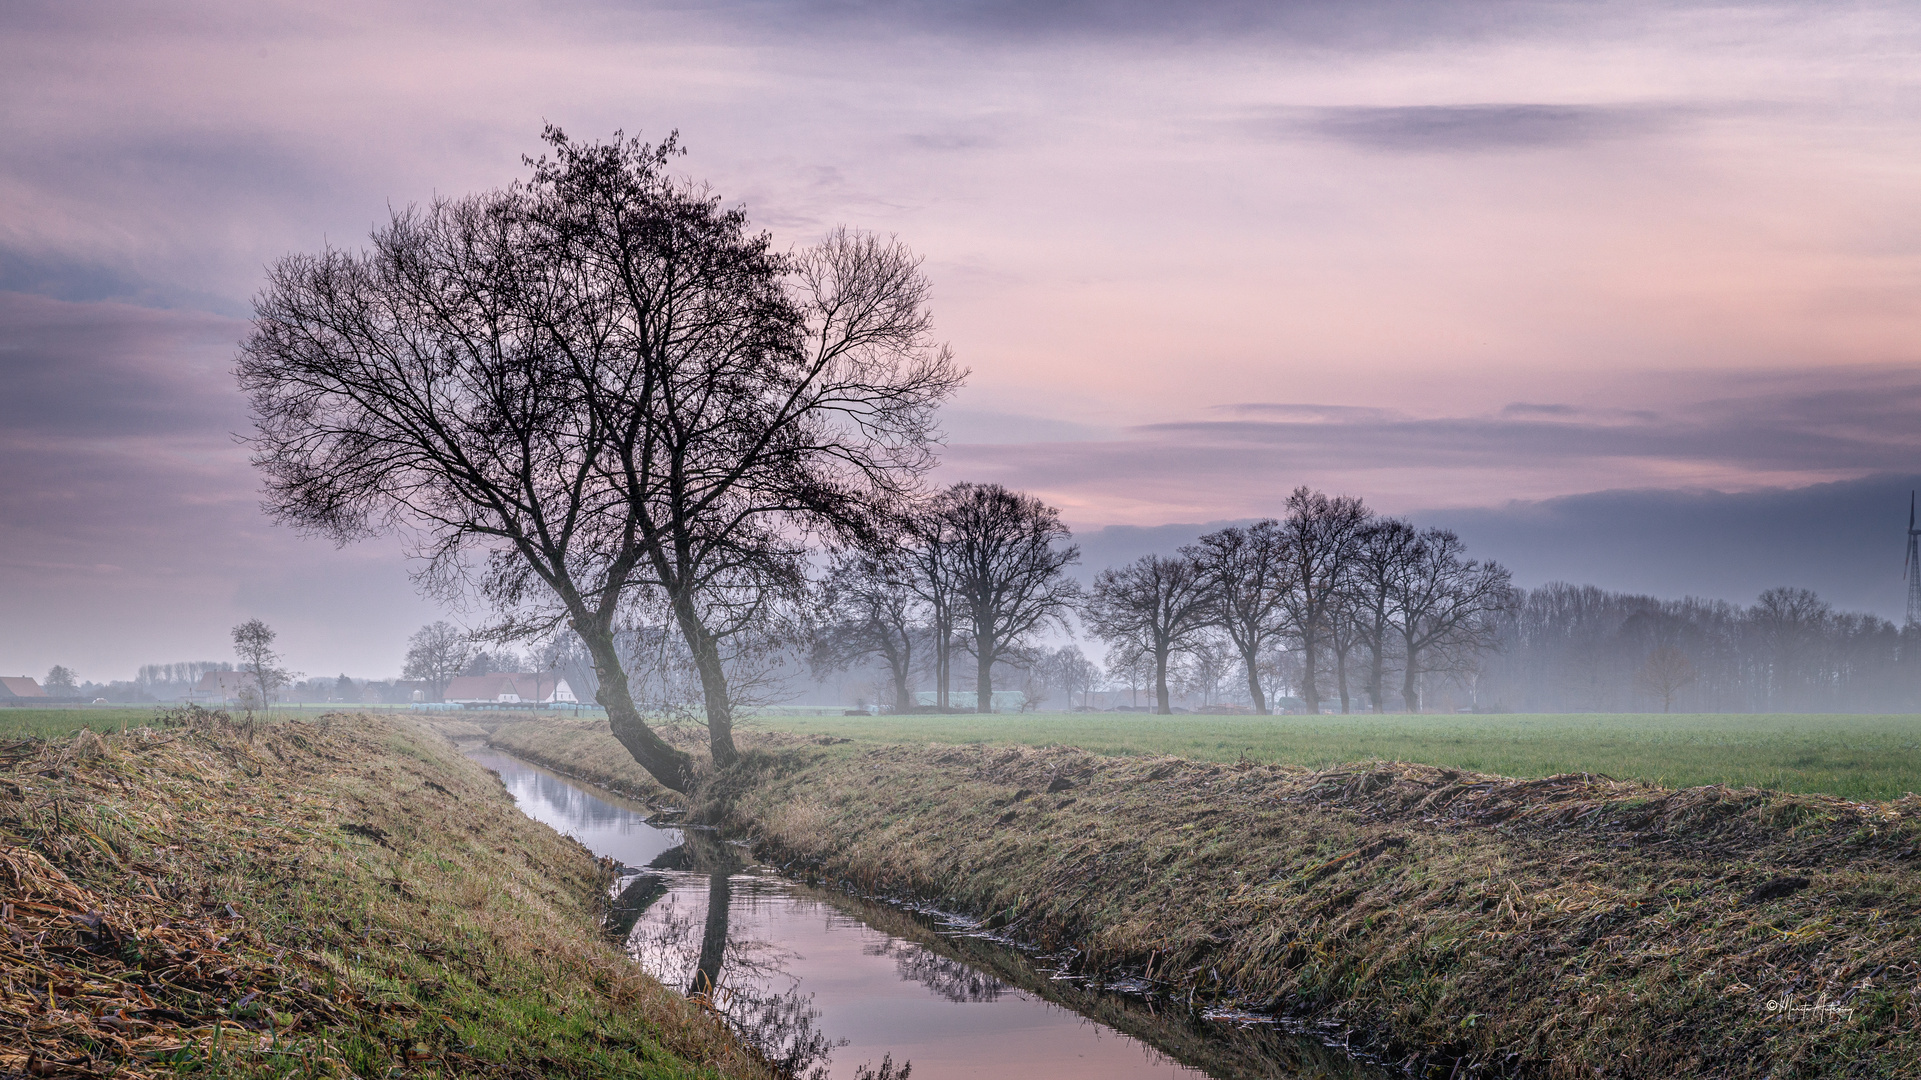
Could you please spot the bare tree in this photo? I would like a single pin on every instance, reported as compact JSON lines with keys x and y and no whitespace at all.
{"x":1445,"y":604}
{"x":1791,"y":626}
{"x":1317,"y":539}
{"x":1069,"y":668}
{"x":927,"y":550}
{"x":1003,"y":553}
{"x":1245,"y":573}
{"x":872,"y":612}
{"x":253,"y":645}
{"x":436,"y":653}
{"x":1668,"y":671}
{"x":1344,"y":636}
{"x":1382,"y":554}
{"x":594,"y":387}
{"x":1155,"y":605}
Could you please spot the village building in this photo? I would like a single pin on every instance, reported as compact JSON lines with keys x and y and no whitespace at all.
{"x":222,"y":688}
{"x":510,"y":688}
{"x":1002,"y":701}
{"x":20,"y":688}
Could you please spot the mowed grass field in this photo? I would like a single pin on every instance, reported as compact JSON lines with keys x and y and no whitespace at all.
{"x":1856,"y":757}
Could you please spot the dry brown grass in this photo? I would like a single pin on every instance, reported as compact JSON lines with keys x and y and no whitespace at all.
{"x":1553,"y":927}
{"x":337,"y":897}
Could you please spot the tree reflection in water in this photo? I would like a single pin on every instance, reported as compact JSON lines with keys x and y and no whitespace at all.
{"x":734,"y":977}
{"x":945,"y":976}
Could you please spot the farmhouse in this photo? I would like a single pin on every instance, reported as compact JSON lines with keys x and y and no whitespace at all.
{"x":510,"y":688}
{"x":221,"y":688}
{"x":13,"y":688}
{"x":1001,"y":701}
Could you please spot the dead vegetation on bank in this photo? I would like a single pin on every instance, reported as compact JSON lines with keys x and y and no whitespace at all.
{"x":1459,"y":924}
{"x":328,"y":898}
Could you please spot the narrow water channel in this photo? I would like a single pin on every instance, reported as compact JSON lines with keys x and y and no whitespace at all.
{"x":827,"y":984}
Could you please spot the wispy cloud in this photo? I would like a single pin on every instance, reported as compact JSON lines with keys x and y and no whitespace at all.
{"x":1472,"y":128}
{"x":1735,"y":431}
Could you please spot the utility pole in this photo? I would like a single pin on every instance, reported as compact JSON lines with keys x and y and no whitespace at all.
{"x":1911,"y":568}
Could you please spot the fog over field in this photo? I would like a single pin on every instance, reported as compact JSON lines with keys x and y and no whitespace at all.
{"x":1624,"y":294}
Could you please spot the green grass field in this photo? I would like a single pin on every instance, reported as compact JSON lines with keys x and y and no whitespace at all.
{"x":1857,"y":757}
{"x":55,"y":721}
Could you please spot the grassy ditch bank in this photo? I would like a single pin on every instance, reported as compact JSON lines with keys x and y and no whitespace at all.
{"x":343,"y":896}
{"x":1462,"y":924}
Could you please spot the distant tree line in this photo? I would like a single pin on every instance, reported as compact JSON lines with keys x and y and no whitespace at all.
{"x":1572,"y":648}
{"x":1328,"y":603}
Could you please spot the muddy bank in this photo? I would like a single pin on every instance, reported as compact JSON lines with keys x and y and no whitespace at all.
{"x":1564,"y":927}
{"x":337,"y":897}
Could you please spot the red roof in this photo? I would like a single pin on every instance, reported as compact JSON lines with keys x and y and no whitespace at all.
{"x":20,"y":686}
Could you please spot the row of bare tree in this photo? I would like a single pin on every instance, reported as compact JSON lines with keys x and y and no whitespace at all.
{"x":1347,"y":593}
{"x":1330,"y":581}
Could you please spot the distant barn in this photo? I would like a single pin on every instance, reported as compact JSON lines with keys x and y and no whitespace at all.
{"x":19,"y":688}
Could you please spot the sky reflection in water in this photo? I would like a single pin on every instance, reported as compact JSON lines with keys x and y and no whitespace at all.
{"x":798,"y":968}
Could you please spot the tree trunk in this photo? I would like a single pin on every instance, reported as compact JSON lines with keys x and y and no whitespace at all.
{"x":673,"y":768}
{"x":983,"y":678}
{"x":903,"y":697}
{"x":943,"y":663}
{"x":1410,"y":689}
{"x":1161,"y":704}
{"x":713,"y":936}
{"x":1340,"y":677}
{"x":1310,"y":656}
{"x":1251,"y":657}
{"x":899,"y":659}
{"x":1377,"y":673}
{"x":713,"y":682}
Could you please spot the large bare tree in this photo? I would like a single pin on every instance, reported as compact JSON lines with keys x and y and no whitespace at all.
{"x":1156,"y":605}
{"x":1245,"y":573}
{"x":593,"y":390}
{"x":1003,"y":553}
{"x":1317,"y":539}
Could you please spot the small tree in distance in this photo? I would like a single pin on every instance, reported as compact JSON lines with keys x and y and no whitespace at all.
{"x":435,"y":654}
{"x":1156,"y":606}
{"x":1006,"y":552}
{"x":1667,"y":672}
{"x":62,"y":681}
{"x":253,"y":645}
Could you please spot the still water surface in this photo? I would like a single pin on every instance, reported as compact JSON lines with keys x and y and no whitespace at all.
{"x":810,"y":977}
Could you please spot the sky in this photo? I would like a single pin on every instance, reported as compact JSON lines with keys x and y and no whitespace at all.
{"x":1544,"y":272}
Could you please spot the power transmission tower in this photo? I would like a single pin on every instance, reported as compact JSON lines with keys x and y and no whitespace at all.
{"x":1911,"y":568}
